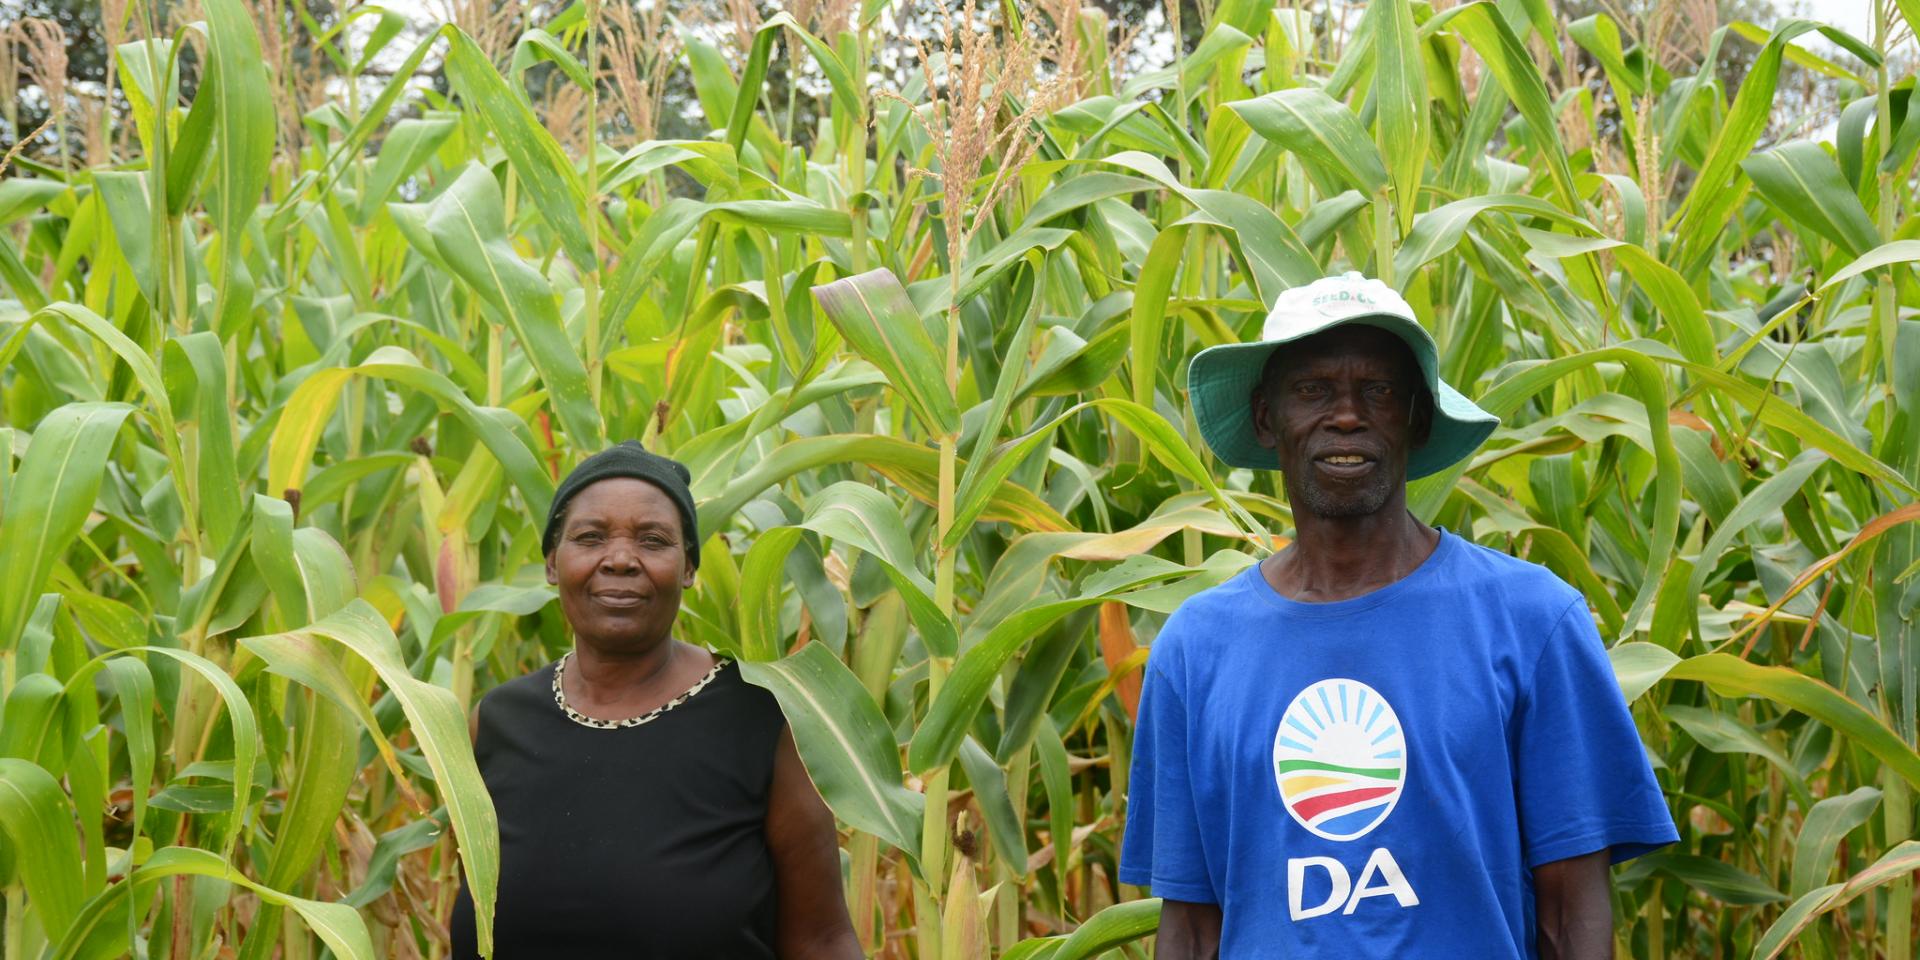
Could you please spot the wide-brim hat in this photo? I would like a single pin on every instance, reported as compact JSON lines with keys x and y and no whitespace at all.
{"x":1221,"y":379}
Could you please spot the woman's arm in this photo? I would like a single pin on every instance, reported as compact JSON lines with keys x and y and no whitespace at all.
{"x":1188,"y":931}
{"x":812,"y":910}
{"x":1574,"y":908}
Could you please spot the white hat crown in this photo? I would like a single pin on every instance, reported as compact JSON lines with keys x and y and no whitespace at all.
{"x":1331,"y":298}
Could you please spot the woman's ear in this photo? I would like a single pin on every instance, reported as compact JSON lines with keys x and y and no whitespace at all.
{"x":687,"y":570}
{"x":553,"y":572}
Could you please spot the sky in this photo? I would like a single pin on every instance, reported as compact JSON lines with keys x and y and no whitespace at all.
{"x":1853,"y":16}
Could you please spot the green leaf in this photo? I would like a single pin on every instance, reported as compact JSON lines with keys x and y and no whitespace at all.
{"x":1897,"y":251}
{"x":439,"y":727}
{"x":49,"y":500}
{"x":1715,"y":193}
{"x":544,"y":169}
{"x":1762,"y":503}
{"x":761,"y":576}
{"x":713,"y":82}
{"x":1004,"y":828}
{"x":327,"y":760}
{"x":752,"y":76}
{"x":710,"y":163}
{"x":302,"y":419}
{"x":123,"y":195}
{"x":492,"y":599}
{"x":536,"y":45}
{"x":189,"y":154}
{"x":20,"y":196}
{"x":872,"y":311}
{"x":373,"y":119}
{"x":410,"y":143}
{"x":913,"y":466}
{"x":845,"y":743}
{"x":197,"y":365}
{"x":246,"y":128}
{"x":302,"y":659}
{"x":25,"y":286}
{"x":1112,"y":927}
{"x":100,"y":932}
{"x":389,"y":26}
{"x":1154,"y":432}
{"x":46,"y":851}
{"x":1600,"y":36}
{"x":1147,"y":327}
{"x":241,"y":724}
{"x":1056,"y":778}
{"x":1897,"y":864}
{"x":1522,"y":381}
{"x":862,"y":517}
{"x":1826,"y":824}
{"x":1436,"y":232}
{"x":1400,"y":99}
{"x":384,"y":864}
{"x":142,"y":63}
{"x":1804,"y":182}
{"x":1716,"y":878}
{"x":1733,"y":676}
{"x":1674,"y":302}
{"x":1275,"y":256}
{"x":32,"y":725}
{"x":1638,"y":665}
{"x":469,"y":228}
{"x":1481,"y":26}
{"x":784,"y":216}
{"x":945,"y":726}
{"x":132,"y":682}
{"x":1321,"y":131}
{"x":1720,"y":733}
{"x":305,"y":415}
{"x":846,"y":92}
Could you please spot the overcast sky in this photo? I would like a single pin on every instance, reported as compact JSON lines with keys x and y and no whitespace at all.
{"x":1853,"y":16}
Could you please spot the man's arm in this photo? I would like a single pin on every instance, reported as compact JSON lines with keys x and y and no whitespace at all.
{"x":1574,"y":908}
{"x":1188,"y":931}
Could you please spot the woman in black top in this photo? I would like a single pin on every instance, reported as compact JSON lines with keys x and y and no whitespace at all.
{"x":651,"y":803}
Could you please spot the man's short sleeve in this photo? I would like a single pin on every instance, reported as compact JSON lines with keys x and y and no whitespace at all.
{"x":1162,"y":848}
{"x":1583,"y":781}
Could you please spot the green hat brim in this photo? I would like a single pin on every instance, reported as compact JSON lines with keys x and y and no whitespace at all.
{"x":1221,"y":379}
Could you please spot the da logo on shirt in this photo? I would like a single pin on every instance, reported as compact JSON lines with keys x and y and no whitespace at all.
{"x":1340,"y":759}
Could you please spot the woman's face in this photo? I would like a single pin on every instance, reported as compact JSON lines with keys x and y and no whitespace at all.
{"x":620,"y":564}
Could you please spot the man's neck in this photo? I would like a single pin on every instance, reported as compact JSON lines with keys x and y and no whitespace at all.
{"x":1338,"y":558}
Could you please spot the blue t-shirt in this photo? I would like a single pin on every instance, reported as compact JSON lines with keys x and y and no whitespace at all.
{"x":1377,"y":777}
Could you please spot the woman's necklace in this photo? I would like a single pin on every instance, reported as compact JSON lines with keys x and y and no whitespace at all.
{"x":560,"y":698}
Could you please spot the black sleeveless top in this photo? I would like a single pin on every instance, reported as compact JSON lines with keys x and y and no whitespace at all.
{"x":641,"y":843}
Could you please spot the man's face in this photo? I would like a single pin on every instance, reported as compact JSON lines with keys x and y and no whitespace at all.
{"x":1342,"y":410}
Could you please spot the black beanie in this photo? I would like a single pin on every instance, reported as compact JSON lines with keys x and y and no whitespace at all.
{"x":628,"y":459}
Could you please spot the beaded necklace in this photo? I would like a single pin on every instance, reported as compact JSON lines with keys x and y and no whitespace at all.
{"x":560,"y":698}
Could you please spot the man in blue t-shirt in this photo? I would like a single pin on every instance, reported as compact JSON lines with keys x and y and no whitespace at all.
{"x":1382,"y":741}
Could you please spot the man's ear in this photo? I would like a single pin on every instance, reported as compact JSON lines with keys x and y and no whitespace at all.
{"x":1265,"y":431}
{"x":1421,"y":423}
